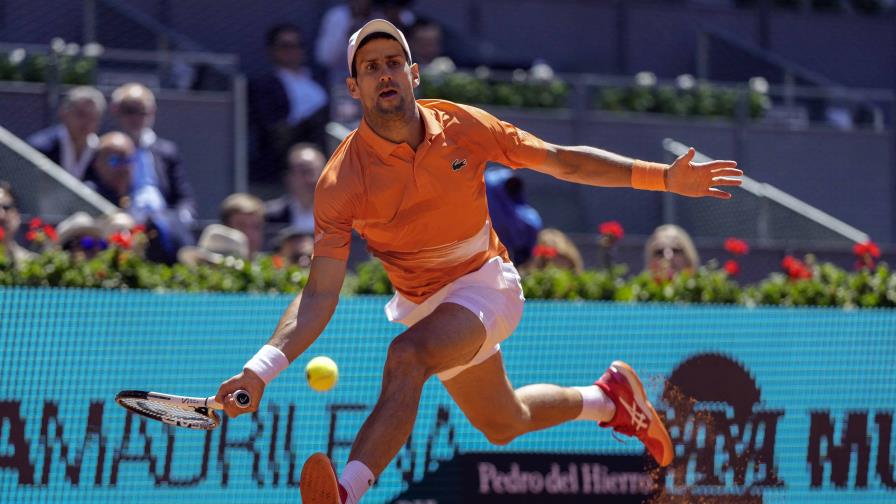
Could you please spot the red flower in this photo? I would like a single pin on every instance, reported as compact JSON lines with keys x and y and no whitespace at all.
{"x":612,"y":229}
{"x":737,"y":247}
{"x":868,"y":248}
{"x":35,"y":223}
{"x":732,"y":267}
{"x":31,"y":235}
{"x":545,"y":251}
{"x":121,"y":240}
{"x":50,"y":231}
{"x":2,"y":234}
{"x":277,"y":261}
{"x":795,"y":268}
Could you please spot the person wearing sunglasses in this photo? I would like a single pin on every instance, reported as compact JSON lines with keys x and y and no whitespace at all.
{"x":159,"y":187}
{"x":10,"y":220}
{"x":669,"y":251}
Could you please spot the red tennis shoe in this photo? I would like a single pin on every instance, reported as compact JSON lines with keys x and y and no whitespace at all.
{"x":318,"y":482}
{"x":635,"y":415}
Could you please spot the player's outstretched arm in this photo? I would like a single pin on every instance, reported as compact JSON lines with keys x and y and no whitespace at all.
{"x":301,"y":324}
{"x":592,"y":166}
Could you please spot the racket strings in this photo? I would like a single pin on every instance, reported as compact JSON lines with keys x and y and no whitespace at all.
{"x":167,"y":411}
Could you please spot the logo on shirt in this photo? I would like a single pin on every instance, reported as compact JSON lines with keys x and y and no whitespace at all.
{"x":457,"y":164}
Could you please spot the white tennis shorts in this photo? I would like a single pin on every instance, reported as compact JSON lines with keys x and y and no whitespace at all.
{"x":493,"y":293}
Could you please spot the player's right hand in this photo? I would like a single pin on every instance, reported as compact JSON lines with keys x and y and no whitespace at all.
{"x":248,"y":381}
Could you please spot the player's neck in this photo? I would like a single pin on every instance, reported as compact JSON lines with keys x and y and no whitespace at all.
{"x":407,"y":129}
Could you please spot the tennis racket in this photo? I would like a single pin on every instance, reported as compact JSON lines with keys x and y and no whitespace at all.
{"x":189,"y":412}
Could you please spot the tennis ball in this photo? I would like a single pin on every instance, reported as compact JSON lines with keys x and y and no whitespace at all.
{"x":321,"y":373}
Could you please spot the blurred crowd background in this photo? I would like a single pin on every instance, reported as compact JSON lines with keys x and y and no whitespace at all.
{"x":203,"y":126}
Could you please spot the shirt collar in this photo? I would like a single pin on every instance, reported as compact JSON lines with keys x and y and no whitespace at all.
{"x":431,"y":126}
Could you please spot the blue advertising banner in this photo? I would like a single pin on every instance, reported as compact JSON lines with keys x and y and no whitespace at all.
{"x":764,"y":404}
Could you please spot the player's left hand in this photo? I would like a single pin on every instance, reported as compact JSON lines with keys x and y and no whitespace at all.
{"x":697,"y":179}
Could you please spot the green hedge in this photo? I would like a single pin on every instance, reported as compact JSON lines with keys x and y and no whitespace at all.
{"x":824,"y":285}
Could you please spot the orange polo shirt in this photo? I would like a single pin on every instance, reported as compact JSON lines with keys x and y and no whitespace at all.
{"x":423,"y":214}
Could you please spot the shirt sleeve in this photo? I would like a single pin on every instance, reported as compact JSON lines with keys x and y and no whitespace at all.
{"x":334,"y":211}
{"x":515,"y":147}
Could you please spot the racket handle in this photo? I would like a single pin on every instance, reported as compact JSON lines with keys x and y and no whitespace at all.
{"x":242,"y":398}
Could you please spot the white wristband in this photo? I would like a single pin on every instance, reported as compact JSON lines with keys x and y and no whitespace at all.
{"x":267,"y":363}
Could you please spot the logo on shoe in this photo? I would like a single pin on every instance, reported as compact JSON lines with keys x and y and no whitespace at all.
{"x":457,"y":164}
{"x":639,"y":418}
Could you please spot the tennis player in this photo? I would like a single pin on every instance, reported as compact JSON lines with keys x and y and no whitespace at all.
{"x":409,"y":180}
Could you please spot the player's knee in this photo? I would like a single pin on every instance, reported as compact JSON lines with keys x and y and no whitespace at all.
{"x":501,"y":432}
{"x":404,"y":359}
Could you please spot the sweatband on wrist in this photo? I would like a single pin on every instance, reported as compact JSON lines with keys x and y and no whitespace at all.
{"x":267,"y":363}
{"x":648,"y":176}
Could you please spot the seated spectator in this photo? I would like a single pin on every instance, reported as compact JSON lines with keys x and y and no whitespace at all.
{"x":286,"y":106}
{"x":112,"y":175}
{"x":426,"y":42}
{"x":159,"y":181}
{"x":295,"y":246}
{"x":553,"y":248}
{"x":295,"y":208}
{"x":10,"y":221}
{"x":81,"y":235}
{"x":216,"y":243}
{"x":72,"y":143}
{"x":669,"y":251}
{"x":515,"y":222}
{"x":245,"y":213}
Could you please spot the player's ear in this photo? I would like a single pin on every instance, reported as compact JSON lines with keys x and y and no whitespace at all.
{"x":352,"y":85}
{"x":415,"y":74}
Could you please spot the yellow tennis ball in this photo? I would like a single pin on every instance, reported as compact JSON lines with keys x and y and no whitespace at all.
{"x":321,"y":373}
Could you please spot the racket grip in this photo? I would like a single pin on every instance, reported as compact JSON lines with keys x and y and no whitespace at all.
{"x":242,"y":398}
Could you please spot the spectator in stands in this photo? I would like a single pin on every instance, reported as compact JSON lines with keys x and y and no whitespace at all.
{"x":306,"y":162}
{"x":338,"y":22}
{"x":245,"y":213}
{"x":72,"y":143}
{"x":669,"y":251}
{"x":426,"y":42}
{"x":554,"y":248}
{"x":286,"y":106}
{"x":159,"y":181}
{"x":216,"y":244}
{"x":516,"y":223}
{"x":81,"y":235}
{"x":10,"y":220}
{"x":113,"y":176}
{"x":112,"y":171}
{"x":295,"y":246}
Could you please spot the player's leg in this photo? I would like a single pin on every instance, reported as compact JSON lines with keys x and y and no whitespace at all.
{"x":485,"y":395}
{"x":448,"y":337}
{"x":617,"y":401}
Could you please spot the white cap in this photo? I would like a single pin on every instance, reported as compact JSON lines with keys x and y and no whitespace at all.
{"x":375,"y":26}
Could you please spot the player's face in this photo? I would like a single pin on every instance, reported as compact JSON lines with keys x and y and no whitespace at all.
{"x":385,"y":82}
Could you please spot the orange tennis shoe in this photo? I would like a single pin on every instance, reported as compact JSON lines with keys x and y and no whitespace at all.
{"x":635,"y":415}
{"x":318,"y":482}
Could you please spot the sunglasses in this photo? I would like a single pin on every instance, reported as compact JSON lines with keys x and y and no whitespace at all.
{"x":7,"y":207}
{"x":134,"y":110}
{"x":119,"y":160}
{"x":662,"y":252}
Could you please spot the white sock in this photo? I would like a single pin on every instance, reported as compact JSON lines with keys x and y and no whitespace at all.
{"x":596,"y":406}
{"x":356,"y":479}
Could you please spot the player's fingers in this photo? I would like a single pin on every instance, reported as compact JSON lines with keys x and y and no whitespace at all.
{"x":717,"y":164}
{"x":686,"y":157}
{"x":726,"y":181}
{"x":717,"y":193}
{"x":727,"y":172}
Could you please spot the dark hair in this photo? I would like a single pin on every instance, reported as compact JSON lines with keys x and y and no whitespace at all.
{"x":274,"y":32}
{"x":7,"y":188}
{"x":371,"y":37}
